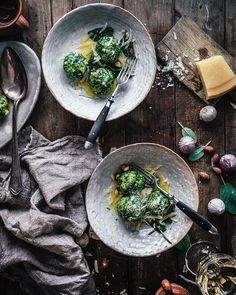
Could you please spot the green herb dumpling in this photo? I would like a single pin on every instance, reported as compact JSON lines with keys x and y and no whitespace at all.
{"x":4,"y":106}
{"x":75,"y":65}
{"x":131,"y":181}
{"x":108,"y":48}
{"x":158,"y":204}
{"x":131,"y":208}
{"x":101,"y":80}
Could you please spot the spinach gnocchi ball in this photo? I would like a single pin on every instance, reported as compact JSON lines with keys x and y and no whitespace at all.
{"x":108,"y":48}
{"x":157,"y":203}
{"x":4,"y":106}
{"x":75,"y":65}
{"x":131,"y":208}
{"x":101,"y":80}
{"x":131,"y":181}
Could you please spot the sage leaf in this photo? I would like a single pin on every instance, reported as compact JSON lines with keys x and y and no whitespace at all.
{"x":184,"y":244}
{"x":196,"y":154}
{"x":228,"y":196}
{"x":188,"y":132}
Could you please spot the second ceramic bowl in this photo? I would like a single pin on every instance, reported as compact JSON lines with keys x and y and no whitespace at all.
{"x":108,"y":225}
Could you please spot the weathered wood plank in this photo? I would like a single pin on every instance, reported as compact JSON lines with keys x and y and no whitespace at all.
{"x":188,"y":106}
{"x":48,"y":116}
{"x":114,"y":279}
{"x":151,"y":122}
{"x":230,"y":116}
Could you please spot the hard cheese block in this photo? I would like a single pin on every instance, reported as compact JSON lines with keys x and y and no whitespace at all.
{"x":216,"y":76}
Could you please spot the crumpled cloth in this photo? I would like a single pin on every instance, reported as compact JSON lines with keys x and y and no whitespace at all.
{"x":42,"y":231}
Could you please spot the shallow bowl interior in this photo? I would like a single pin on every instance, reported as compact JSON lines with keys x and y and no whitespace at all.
{"x":65,"y":36}
{"x":105,"y":221}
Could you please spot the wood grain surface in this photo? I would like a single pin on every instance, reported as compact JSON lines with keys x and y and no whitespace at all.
{"x":155,"y":120}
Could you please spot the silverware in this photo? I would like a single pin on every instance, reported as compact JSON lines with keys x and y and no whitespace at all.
{"x":192,"y":214}
{"x":122,"y":78}
{"x":14,"y":85}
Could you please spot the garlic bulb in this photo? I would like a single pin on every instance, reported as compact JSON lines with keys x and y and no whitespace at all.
{"x":228,"y":163}
{"x":186,"y":144}
{"x":216,"y":206}
{"x":208,"y":113}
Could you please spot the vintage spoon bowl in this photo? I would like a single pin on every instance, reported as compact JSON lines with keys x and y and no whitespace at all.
{"x":14,"y":85}
{"x":13,"y":75}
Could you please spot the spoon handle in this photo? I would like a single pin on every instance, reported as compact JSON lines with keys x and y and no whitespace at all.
{"x":15,"y":186}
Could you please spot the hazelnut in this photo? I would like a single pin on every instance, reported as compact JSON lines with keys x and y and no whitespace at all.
{"x":216,"y":158}
{"x":116,"y":192}
{"x":217,"y":170}
{"x":117,"y":175}
{"x":204,"y":176}
{"x":105,"y":263}
{"x":209,"y":149}
{"x":124,"y":167}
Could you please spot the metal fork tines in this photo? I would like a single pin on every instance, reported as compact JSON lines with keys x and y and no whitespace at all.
{"x":149,"y":178}
{"x":126,"y":71}
{"x":122,"y":78}
{"x":191,"y":213}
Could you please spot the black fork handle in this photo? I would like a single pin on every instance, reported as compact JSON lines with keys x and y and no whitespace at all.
{"x":97,"y":125}
{"x":197,"y":218}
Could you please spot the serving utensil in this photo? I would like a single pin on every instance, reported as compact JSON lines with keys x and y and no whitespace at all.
{"x":122,"y":78}
{"x":192,"y":214}
{"x":14,"y":85}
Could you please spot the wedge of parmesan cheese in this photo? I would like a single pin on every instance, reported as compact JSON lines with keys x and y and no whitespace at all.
{"x":216,"y":76}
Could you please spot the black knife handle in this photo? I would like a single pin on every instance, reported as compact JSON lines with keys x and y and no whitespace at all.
{"x":98,"y":124}
{"x":192,"y":214}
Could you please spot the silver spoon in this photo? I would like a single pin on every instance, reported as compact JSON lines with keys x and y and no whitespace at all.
{"x":14,"y":85}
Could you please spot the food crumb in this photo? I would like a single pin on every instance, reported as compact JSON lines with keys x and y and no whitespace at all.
{"x":96,"y":266}
{"x":142,"y":288}
{"x":175,"y":36}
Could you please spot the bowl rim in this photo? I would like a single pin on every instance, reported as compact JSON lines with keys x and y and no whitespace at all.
{"x":194,"y":185}
{"x":51,"y":31}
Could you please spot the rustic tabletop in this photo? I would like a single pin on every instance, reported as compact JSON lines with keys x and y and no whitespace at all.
{"x":155,"y":120}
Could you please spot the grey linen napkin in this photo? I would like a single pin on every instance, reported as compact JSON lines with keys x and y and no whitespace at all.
{"x":42,"y":231}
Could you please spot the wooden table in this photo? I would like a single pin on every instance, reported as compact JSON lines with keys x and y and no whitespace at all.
{"x":153,"y":121}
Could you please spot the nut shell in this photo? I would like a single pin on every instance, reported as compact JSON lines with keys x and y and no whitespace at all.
{"x":209,"y":149}
{"x":216,"y":158}
{"x":217,"y":170}
{"x":204,"y":176}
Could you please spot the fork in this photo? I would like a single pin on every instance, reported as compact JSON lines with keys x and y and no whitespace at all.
{"x":121,"y":79}
{"x":192,"y":214}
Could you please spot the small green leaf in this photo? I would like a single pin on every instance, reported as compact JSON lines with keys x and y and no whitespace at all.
{"x":189,"y":132}
{"x":196,"y":154}
{"x":184,"y":244}
{"x":228,"y":196}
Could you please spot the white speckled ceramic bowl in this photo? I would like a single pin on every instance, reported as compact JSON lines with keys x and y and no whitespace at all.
{"x":65,"y":37}
{"x":26,"y":106}
{"x":110,"y":227}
